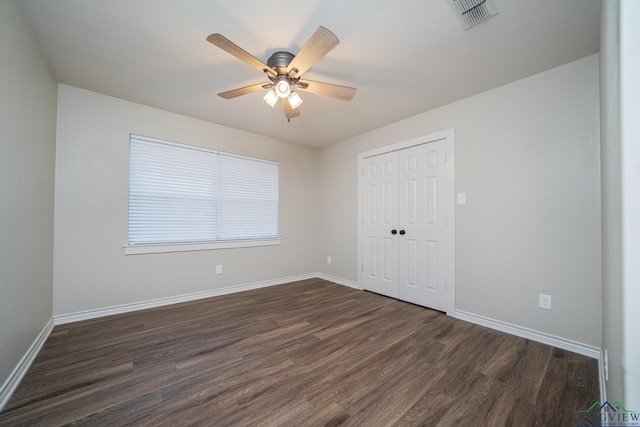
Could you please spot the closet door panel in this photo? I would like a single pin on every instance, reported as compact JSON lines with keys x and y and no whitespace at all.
{"x":421,"y":183}
{"x":380,"y":202}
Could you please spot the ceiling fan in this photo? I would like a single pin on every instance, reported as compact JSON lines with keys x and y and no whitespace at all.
{"x":284,"y":71}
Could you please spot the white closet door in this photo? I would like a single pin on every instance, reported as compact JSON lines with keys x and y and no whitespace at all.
{"x":380,"y":203}
{"x":422,"y":242}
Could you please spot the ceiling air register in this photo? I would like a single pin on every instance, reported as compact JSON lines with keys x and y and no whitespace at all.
{"x":473,"y":12}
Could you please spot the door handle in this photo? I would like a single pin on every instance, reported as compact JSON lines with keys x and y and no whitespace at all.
{"x":394,"y":231}
{"x":402,"y":232}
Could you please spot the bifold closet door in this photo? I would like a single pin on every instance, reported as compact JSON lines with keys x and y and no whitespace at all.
{"x":380,"y":246}
{"x":422,"y":183}
{"x":404,"y":224}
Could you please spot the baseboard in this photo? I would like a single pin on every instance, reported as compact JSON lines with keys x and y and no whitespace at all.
{"x":23,"y":365}
{"x":126,"y":308}
{"x":339,"y":280}
{"x":544,"y":338}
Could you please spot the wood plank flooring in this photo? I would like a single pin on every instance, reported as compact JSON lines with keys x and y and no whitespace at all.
{"x":310,"y":353}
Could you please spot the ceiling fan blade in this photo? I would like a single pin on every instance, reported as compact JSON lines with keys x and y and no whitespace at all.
{"x":344,"y":93}
{"x":288,"y":111}
{"x":320,"y":43}
{"x":230,"y":47}
{"x":245,"y":90}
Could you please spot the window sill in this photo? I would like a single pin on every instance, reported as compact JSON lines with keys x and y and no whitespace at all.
{"x":185,"y":247}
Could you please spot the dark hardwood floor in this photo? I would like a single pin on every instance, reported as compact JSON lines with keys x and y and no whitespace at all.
{"x":302,"y":354}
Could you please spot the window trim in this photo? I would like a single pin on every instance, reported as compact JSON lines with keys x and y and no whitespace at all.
{"x":186,"y":247}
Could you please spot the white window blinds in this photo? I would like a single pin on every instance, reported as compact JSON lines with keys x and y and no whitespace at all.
{"x":184,"y":194}
{"x":247,"y":198}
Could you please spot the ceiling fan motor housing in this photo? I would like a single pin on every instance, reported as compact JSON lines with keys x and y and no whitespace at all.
{"x":279,"y":61}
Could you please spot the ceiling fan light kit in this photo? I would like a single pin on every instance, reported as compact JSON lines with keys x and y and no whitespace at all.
{"x":272,"y":98}
{"x":284,"y":71}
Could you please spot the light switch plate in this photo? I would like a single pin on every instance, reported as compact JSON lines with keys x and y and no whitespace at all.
{"x":462,"y":198}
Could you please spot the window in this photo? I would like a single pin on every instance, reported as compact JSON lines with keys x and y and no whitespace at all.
{"x":179,"y":194}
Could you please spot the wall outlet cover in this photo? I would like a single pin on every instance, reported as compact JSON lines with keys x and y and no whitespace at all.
{"x":544,"y":301}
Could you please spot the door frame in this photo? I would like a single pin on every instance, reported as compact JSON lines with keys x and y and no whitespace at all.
{"x":450,"y":272}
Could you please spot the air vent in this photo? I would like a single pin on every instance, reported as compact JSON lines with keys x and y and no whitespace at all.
{"x":473,"y":12}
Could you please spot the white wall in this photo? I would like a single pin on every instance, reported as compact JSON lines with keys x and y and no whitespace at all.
{"x":620,"y":95}
{"x":527,"y":155}
{"x":90,"y":268}
{"x":611,"y":162}
{"x":630,"y":133}
{"x":27,"y":151}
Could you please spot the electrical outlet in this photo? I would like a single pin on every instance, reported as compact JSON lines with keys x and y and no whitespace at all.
{"x":328,"y":259}
{"x":219,"y":269}
{"x":544,"y":301}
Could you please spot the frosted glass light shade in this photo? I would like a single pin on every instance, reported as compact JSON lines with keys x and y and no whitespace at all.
{"x":271,"y":98}
{"x":295,"y":100}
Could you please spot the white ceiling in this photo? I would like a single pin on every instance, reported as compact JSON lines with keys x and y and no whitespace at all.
{"x":404,"y":57}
